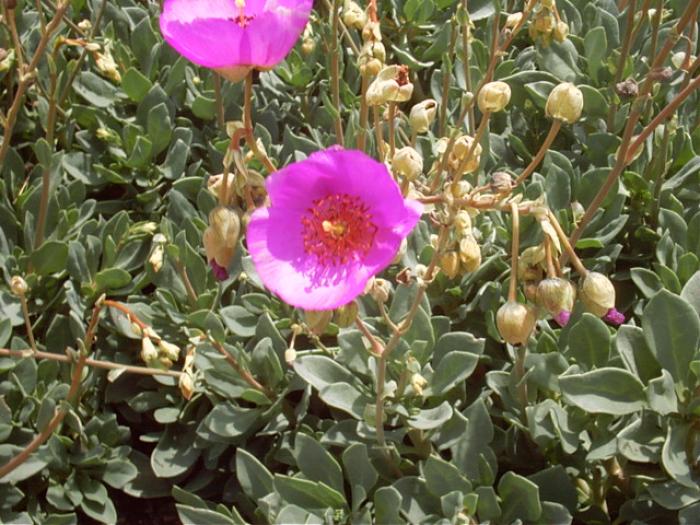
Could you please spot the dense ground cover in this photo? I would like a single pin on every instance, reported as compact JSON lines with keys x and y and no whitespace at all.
{"x":527,"y":351}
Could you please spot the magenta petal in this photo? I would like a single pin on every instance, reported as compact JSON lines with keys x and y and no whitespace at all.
{"x":297,"y":280}
{"x":614,"y":317}
{"x":562,"y":318}
{"x":206,"y":31}
{"x":220,"y":273}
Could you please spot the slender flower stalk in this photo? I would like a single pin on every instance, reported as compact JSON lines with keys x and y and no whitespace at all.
{"x":335,"y":72}
{"x":624,"y":53}
{"x":364,"y":114}
{"x":248,"y":124}
{"x":472,"y":148}
{"x":549,"y":139}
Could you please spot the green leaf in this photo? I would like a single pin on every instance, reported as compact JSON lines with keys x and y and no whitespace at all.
{"x":431,"y":418}
{"x":308,"y":494}
{"x":320,"y":371}
{"x":672,"y":331}
{"x":520,"y":498}
{"x":112,"y":278}
{"x":387,"y":502}
{"x":230,"y":421}
{"x":589,"y":342}
{"x":345,"y":397}
{"x":647,"y":281}
{"x":661,"y":394}
{"x":451,"y":371}
{"x":674,"y":457}
{"x":195,"y":516}
{"x":239,"y":320}
{"x":442,"y":477}
{"x":604,"y":391}
{"x":102,"y":511}
{"x":361,"y":474}
{"x":691,"y":292}
{"x":159,"y":128}
{"x":50,"y":258}
{"x":255,"y":479}
{"x":596,"y":47}
{"x":316,"y":463}
{"x":135,"y":84}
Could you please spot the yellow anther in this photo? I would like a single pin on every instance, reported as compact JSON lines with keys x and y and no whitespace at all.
{"x":240,"y":4}
{"x":334,"y":228}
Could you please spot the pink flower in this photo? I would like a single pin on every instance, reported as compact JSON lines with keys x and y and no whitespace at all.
{"x":562,"y":318}
{"x":234,"y":36}
{"x":336,"y":219}
{"x":614,"y":317}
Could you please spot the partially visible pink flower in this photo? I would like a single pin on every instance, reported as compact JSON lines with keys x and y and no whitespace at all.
{"x":234,"y":36}
{"x":336,"y":219}
{"x":562,"y":318}
{"x":219,"y":271}
{"x":614,"y":317}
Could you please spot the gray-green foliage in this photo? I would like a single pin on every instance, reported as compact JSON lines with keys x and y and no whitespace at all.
{"x":611,"y":423}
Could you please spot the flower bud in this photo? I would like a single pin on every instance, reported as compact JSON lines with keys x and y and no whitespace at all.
{"x":627,"y":88}
{"x":422,"y":116}
{"x":186,"y":384}
{"x":391,"y":85}
{"x":379,"y":290}
{"x":156,"y":258}
{"x":493,"y":97}
{"x":220,"y":239}
{"x":450,"y":264}
{"x":18,"y":286}
{"x":290,"y":356}
{"x":597,"y":293}
{"x":463,"y":222}
{"x":407,"y":163}
{"x":354,"y":15}
{"x":614,"y":317}
{"x":501,"y":182}
{"x":107,"y":66}
{"x":561,"y":31}
{"x":554,"y":295}
{"x":169,"y":350}
{"x":513,"y":20}
{"x":308,"y":45}
{"x":418,"y":382}
{"x":459,"y":153}
{"x":318,"y":320}
{"x":469,"y":253}
{"x":85,"y":24}
{"x":565,"y":103}
{"x":148,"y":352}
{"x":345,"y":315}
{"x":515,"y":322}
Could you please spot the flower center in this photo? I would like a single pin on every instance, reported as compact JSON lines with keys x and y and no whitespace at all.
{"x":337,"y":229}
{"x":242,"y":19}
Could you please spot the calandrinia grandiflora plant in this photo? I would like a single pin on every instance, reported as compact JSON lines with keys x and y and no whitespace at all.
{"x":409,"y":261}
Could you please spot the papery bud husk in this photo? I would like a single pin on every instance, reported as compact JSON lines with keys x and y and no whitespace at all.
{"x":186,"y":384}
{"x":18,"y":286}
{"x":450,"y":264}
{"x":379,"y":289}
{"x":555,"y":294}
{"x":345,"y":316}
{"x":561,"y":31}
{"x":318,"y":320}
{"x":469,"y":253}
{"x":418,"y":382}
{"x":459,"y":152}
{"x":513,"y":20}
{"x":407,"y":163}
{"x":516,"y":322}
{"x":290,"y":356}
{"x":169,"y":350}
{"x":148,"y":351}
{"x":221,"y":237}
{"x":565,"y":103}
{"x":501,"y":181}
{"x":597,"y":293}
{"x":463,"y":222}
{"x":423,"y":115}
{"x":391,"y":85}
{"x":493,"y":97}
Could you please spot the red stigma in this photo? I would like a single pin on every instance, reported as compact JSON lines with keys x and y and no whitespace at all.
{"x":337,"y":229}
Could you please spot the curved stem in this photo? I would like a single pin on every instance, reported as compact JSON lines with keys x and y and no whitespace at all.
{"x":568,"y":248}
{"x":27,"y":322}
{"x":378,"y":132}
{"x":515,"y":249}
{"x":623,"y":58}
{"x":392,"y":130}
{"x":477,"y":139}
{"x":364,"y":114}
{"x":248,"y":124}
{"x":553,"y":131}
{"x":243,"y":372}
{"x":335,"y":71}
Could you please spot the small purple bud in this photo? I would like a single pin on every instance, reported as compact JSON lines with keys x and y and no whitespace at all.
{"x":614,"y":317}
{"x":562,"y":318}
{"x":219,"y":272}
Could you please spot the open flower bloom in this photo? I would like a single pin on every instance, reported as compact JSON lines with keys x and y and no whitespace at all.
{"x":234,"y":36}
{"x":336,"y":219}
